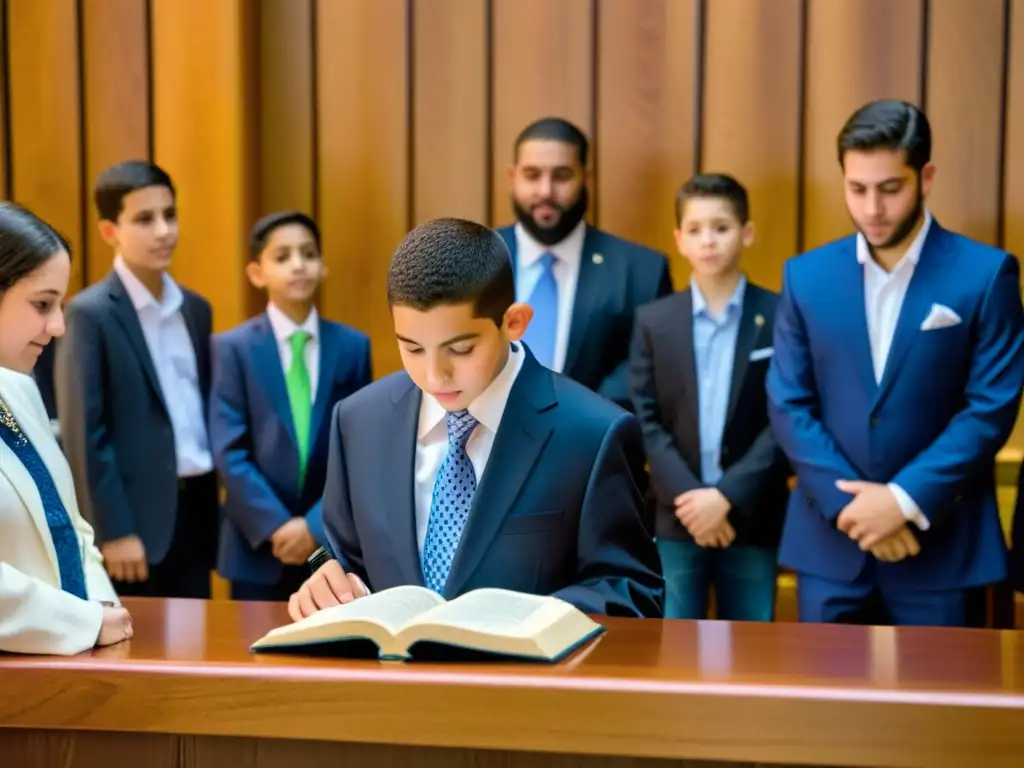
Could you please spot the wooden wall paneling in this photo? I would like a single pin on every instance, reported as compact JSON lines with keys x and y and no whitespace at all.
{"x":5,"y":156}
{"x":45,"y":117}
{"x":204,"y":117}
{"x":115,"y":64}
{"x":363,"y":139}
{"x":752,"y":117}
{"x":964,"y":104}
{"x":1013,"y":172}
{"x":543,"y":67}
{"x":646,"y":117}
{"x":858,"y":50}
{"x":451,"y":124}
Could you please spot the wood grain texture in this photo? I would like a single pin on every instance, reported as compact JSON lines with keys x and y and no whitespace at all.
{"x":965,"y":108}
{"x":203,"y":114}
{"x":363,"y":129}
{"x":928,"y":696}
{"x":858,"y":50}
{"x":1013,"y":199}
{"x":45,"y":118}
{"x":543,"y":67}
{"x":5,"y":168}
{"x":751,"y":119}
{"x":115,"y":62}
{"x":451,"y":169}
{"x":645,"y":118}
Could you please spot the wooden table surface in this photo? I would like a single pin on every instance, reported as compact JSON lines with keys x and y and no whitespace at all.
{"x":788,"y":693}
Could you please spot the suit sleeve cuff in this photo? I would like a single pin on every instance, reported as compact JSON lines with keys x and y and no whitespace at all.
{"x":909,"y":507}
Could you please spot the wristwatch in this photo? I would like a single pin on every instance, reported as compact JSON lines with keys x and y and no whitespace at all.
{"x":318,"y":558}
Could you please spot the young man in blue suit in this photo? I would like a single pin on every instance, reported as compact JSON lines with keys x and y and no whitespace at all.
{"x":476,"y":466}
{"x":896,"y":378}
{"x":276,"y":380}
{"x":583,"y":284}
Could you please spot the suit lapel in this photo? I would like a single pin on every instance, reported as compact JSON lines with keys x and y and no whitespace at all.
{"x":849,"y":305}
{"x":398,"y":453}
{"x":682,"y":332}
{"x":524,"y":430}
{"x":746,"y":338}
{"x":199,"y":344}
{"x":329,"y":354}
{"x":124,"y":311}
{"x":268,"y":362}
{"x":587,"y":296}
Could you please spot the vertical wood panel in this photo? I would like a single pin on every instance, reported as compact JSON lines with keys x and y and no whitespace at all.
{"x":543,"y":67}
{"x":451,"y":124}
{"x":751,"y":118}
{"x":286,"y":106}
{"x":858,"y":50}
{"x":363,"y":129}
{"x":646,"y":117}
{"x":965,"y":109}
{"x":45,"y":104}
{"x":115,"y":62}
{"x":5,"y":156}
{"x":203,"y":115}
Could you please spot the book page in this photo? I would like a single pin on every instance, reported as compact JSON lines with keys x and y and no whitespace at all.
{"x":491,"y":611}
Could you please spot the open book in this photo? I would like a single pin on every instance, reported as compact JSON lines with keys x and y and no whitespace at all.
{"x":411,"y":622}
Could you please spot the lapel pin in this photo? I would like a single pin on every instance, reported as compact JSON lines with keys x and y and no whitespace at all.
{"x":759,"y":320}
{"x":597,"y":258}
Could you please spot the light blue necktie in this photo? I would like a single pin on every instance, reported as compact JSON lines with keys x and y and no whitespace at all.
{"x":450,"y":503}
{"x":543,"y":329}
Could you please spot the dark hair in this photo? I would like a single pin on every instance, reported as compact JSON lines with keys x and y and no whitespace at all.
{"x":453,"y":261}
{"x":26,"y":243}
{"x":554,"y":129}
{"x":118,"y":181}
{"x":714,"y":185}
{"x":888,"y":124}
{"x":265,"y":227}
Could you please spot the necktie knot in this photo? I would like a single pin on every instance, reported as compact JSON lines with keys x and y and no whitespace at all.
{"x":460,"y":427}
{"x":298,"y":341}
{"x":548,"y":260}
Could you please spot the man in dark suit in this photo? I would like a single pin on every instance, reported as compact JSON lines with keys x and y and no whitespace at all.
{"x":476,"y":466}
{"x":896,"y":379}
{"x":133,"y":381}
{"x":698,"y":364}
{"x":583,"y":284}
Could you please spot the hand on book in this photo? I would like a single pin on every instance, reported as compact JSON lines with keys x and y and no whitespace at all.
{"x":292,"y":543}
{"x":329,"y":586}
{"x":897,"y":546}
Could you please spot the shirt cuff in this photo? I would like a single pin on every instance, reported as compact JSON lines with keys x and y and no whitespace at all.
{"x":909,"y":507}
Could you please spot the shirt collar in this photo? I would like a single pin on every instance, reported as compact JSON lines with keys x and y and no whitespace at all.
{"x":487,"y":408}
{"x":140,"y":295}
{"x":284,"y":327}
{"x":913,"y":254}
{"x":700,"y":304}
{"x":569,"y":249}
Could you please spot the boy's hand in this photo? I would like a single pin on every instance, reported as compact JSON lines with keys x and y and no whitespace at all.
{"x":329,"y":586}
{"x":292,"y":543}
{"x":702,"y":511}
{"x":125,"y":559}
{"x":720,"y":537}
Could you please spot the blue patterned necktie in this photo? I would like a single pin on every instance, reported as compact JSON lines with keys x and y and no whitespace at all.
{"x":450,"y":503}
{"x":543,"y":329}
{"x":63,"y":533}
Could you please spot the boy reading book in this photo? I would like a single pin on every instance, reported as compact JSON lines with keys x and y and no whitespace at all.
{"x":476,"y":466}
{"x":408,"y":622}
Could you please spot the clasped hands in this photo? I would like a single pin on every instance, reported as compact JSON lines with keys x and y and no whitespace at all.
{"x":704,"y":512}
{"x":875,"y":521}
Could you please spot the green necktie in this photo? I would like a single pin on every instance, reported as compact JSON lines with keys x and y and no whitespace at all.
{"x":299,"y":398}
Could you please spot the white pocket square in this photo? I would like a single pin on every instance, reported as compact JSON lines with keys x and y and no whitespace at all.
{"x":761,"y":354}
{"x":940,"y":317}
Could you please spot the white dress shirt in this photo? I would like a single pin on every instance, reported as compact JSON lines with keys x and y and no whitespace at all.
{"x":174,"y":359}
{"x":884,"y":293}
{"x":432,"y":437}
{"x":284,"y":328}
{"x":529,"y":269}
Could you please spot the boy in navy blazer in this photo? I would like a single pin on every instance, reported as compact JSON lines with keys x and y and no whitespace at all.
{"x":276,"y":379}
{"x":477,"y":466}
{"x":697,"y":368}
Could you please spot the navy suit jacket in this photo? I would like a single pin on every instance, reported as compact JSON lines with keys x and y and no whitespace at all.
{"x":945,"y":406}
{"x":253,"y":439}
{"x":610,"y":290}
{"x":666,"y":395}
{"x":558,"y":510}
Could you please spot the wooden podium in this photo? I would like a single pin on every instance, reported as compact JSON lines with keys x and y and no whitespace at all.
{"x":186,"y":692}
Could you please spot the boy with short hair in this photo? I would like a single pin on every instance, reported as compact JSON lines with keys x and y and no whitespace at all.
{"x":697,"y":371}
{"x":477,"y":466}
{"x":276,"y":380}
{"x":133,"y":378}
